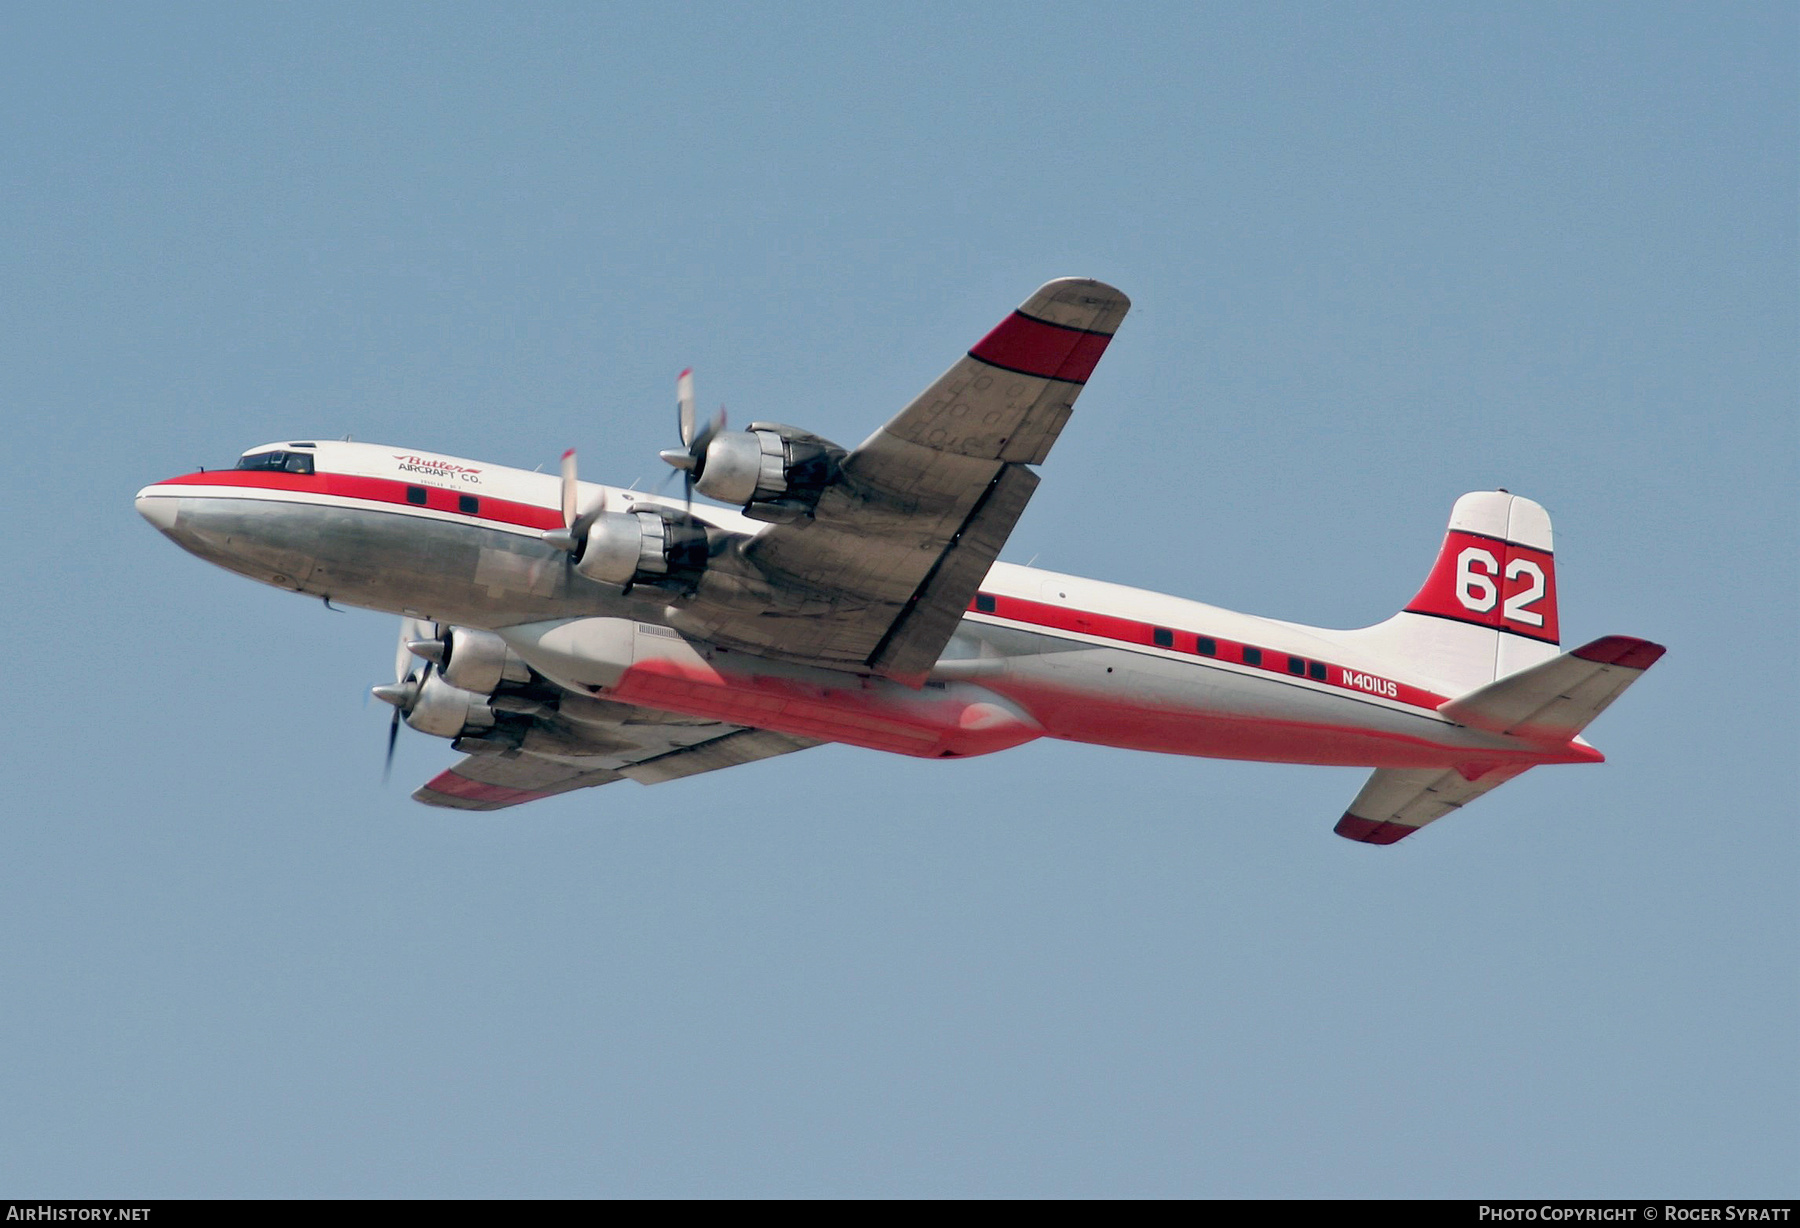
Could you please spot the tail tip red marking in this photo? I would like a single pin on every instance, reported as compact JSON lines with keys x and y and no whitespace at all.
{"x":1368,"y":831}
{"x":1626,"y":651}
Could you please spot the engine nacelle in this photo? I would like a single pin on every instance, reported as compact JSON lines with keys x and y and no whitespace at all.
{"x":769,"y":465}
{"x":623,"y":547}
{"x":480,"y":661}
{"x":446,"y":711}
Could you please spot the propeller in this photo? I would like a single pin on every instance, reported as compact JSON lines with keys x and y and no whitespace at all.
{"x":690,"y":457}
{"x":403,"y":692}
{"x":573,"y":534}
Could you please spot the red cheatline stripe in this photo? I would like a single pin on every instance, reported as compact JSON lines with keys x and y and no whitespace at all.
{"x":1130,"y":631}
{"x":452,"y":785}
{"x":1370,"y":832}
{"x":1622,"y":650}
{"x":380,"y":490}
{"x":1037,"y":347}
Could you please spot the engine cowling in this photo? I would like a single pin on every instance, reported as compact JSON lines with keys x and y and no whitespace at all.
{"x":768,"y":466}
{"x":480,"y":661}
{"x":446,"y":711}
{"x":628,"y":547}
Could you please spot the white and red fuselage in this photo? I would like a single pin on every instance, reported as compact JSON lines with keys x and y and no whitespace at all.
{"x":1037,"y":654}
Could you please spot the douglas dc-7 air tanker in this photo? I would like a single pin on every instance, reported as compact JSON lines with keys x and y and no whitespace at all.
{"x":565,"y":634}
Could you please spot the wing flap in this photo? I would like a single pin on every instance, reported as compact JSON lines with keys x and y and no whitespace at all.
{"x":742,"y":746}
{"x":912,"y":644}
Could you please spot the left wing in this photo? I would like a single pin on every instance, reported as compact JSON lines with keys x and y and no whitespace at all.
{"x":561,"y":759}
{"x":879,"y":576}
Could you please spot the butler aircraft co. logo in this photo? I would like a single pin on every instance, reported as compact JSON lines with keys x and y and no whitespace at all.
{"x":432,"y":467}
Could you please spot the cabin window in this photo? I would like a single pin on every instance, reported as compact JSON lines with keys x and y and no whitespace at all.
{"x":415,"y":494}
{"x":984,"y":602}
{"x":298,"y":462}
{"x":468,"y":503}
{"x":1297,"y":665}
{"x":1317,"y":670}
{"x":1206,"y":647}
{"x":1163,"y":637}
{"x":1252,"y":656}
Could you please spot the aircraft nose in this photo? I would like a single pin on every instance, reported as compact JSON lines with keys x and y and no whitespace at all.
{"x":158,"y":507}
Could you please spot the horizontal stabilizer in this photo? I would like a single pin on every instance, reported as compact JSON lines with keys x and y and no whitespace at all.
{"x":1398,"y":801}
{"x":1550,"y":702}
{"x":1555,"y":700}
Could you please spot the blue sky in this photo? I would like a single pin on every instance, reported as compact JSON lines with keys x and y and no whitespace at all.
{"x":1379,"y":254}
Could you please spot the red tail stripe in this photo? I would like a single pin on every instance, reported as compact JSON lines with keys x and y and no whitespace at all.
{"x":1037,"y":347}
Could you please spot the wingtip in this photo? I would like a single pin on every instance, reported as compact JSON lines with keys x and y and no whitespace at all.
{"x":1078,"y":302}
{"x":1625,"y":651}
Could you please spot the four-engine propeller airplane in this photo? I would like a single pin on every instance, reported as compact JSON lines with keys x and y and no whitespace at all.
{"x":565,"y":634}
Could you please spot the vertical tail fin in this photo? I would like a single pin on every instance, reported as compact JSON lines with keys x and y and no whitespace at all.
{"x":1488,"y":608}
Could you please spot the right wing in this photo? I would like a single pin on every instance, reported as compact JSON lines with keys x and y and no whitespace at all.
{"x":645,"y":746}
{"x":878,"y":577}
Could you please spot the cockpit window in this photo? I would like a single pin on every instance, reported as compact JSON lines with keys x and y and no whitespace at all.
{"x":288,"y":462}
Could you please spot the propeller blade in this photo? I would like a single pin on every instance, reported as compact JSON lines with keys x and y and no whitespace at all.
{"x":713,"y":426}
{"x":572,"y":539}
{"x":410,"y":629}
{"x":387,"y":766}
{"x":569,"y":489}
{"x":684,"y":406}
